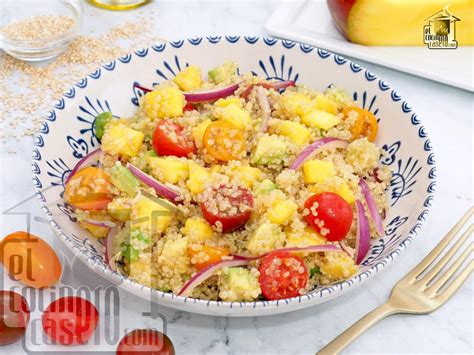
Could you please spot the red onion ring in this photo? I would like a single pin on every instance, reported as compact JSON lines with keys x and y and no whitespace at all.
{"x":264,"y":108}
{"x":105,"y":224}
{"x":369,"y":199}
{"x":86,"y":161}
{"x":206,"y":273}
{"x":211,"y":94}
{"x":363,"y":234}
{"x":161,"y":189}
{"x":313,"y":148}
{"x":108,"y":256}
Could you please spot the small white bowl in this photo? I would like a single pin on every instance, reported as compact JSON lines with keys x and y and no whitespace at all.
{"x":68,"y":134}
{"x":38,"y":49}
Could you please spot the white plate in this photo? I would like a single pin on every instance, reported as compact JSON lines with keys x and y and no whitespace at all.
{"x":68,"y":134}
{"x":309,"y":21}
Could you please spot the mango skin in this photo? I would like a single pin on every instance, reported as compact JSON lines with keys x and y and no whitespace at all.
{"x":397,"y":22}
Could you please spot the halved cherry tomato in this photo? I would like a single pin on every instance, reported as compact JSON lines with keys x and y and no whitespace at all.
{"x":214,"y":255}
{"x":14,"y":317}
{"x":366,"y":124}
{"x":145,"y":341}
{"x":89,"y":189}
{"x":188,"y":107}
{"x":333,"y":215}
{"x":227,"y":207}
{"x":70,"y":320}
{"x":169,"y":138}
{"x":223,"y":141}
{"x":282,"y":275}
{"x":30,"y":260}
{"x":246,"y":93}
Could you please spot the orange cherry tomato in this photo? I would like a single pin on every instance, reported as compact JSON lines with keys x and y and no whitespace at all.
{"x":366,"y":124}
{"x":30,"y":260}
{"x":89,"y":189}
{"x":215,"y":255}
{"x":223,"y":141}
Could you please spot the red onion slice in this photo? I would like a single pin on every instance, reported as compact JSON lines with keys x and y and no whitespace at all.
{"x":109,"y":239}
{"x":278,"y":85}
{"x":347,"y":249}
{"x":142,"y":88}
{"x":264,"y":107}
{"x":313,"y":148}
{"x":363,"y":234}
{"x":169,"y":193}
{"x":105,"y":224}
{"x":369,"y":199}
{"x":308,"y":249}
{"x":86,"y":161}
{"x":206,"y":273}
{"x":211,"y":94}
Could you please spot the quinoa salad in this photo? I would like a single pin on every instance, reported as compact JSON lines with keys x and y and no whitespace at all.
{"x":231,"y":187}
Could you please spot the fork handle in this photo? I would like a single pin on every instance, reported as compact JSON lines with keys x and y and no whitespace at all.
{"x":351,"y":333}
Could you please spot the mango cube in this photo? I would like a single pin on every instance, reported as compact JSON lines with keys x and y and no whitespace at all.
{"x":323,"y":103}
{"x":198,"y":176}
{"x":295,"y":131}
{"x":227,"y":101}
{"x":317,"y":171}
{"x":169,"y":169}
{"x":234,"y":114}
{"x":189,"y":78}
{"x":267,"y":237}
{"x":307,"y":238}
{"x":119,"y":139}
{"x":320,"y":119}
{"x":247,"y":175}
{"x":282,"y":211}
{"x":337,"y":266}
{"x":164,"y":102}
{"x":151,"y":215}
{"x":198,"y":230}
{"x":199,"y":130}
{"x":295,"y":104}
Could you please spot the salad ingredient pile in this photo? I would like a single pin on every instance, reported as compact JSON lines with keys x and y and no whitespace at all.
{"x":234,"y":188}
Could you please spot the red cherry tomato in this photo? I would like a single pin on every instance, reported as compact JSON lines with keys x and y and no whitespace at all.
{"x":332,"y":213}
{"x":282,"y":275}
{"x":169,"y":138}
{"x":14,"y":317}
{"x":228,"y":207}
{"x":145,"y":341}
{"x":30,"y":260}
{"x":188,"y":107}
{"x":70,"y":320}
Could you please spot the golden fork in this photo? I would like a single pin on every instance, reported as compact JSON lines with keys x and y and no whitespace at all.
{"x":418,"y":292}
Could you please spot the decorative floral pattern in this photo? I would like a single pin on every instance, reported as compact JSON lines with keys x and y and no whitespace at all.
{"x":411,"y":159}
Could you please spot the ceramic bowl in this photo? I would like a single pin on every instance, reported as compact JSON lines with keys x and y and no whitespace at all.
{"x":68,"y":134}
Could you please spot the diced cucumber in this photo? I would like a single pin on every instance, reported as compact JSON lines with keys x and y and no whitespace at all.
{"x":124,"y":180}
{"x":101,"y":120}
{"x":265,"y":187}
{"x":221,"y":73}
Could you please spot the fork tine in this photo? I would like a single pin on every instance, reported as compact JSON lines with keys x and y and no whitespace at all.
{"x":440,"y":247}
{"x":453,"y":287}
{"x":433,"y":289}
{"x":440,"y":264}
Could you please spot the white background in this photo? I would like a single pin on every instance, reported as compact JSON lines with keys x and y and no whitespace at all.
{"x":447,"y":114}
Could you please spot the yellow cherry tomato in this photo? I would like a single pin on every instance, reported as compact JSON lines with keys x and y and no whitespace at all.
{"x":89,"y":189}
{"x":223,"y":141}
{"x":30,"y":260}
{"x":366,"y":124}
{"x":213,"y":255}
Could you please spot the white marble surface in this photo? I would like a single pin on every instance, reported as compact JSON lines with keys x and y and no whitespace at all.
{"x":447,"y":114}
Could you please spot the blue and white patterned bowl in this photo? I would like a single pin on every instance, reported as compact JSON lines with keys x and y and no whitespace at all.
{"x":67,"y":135}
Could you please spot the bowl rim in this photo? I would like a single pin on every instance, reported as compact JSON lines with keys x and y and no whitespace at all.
{"x":326,"y":292}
